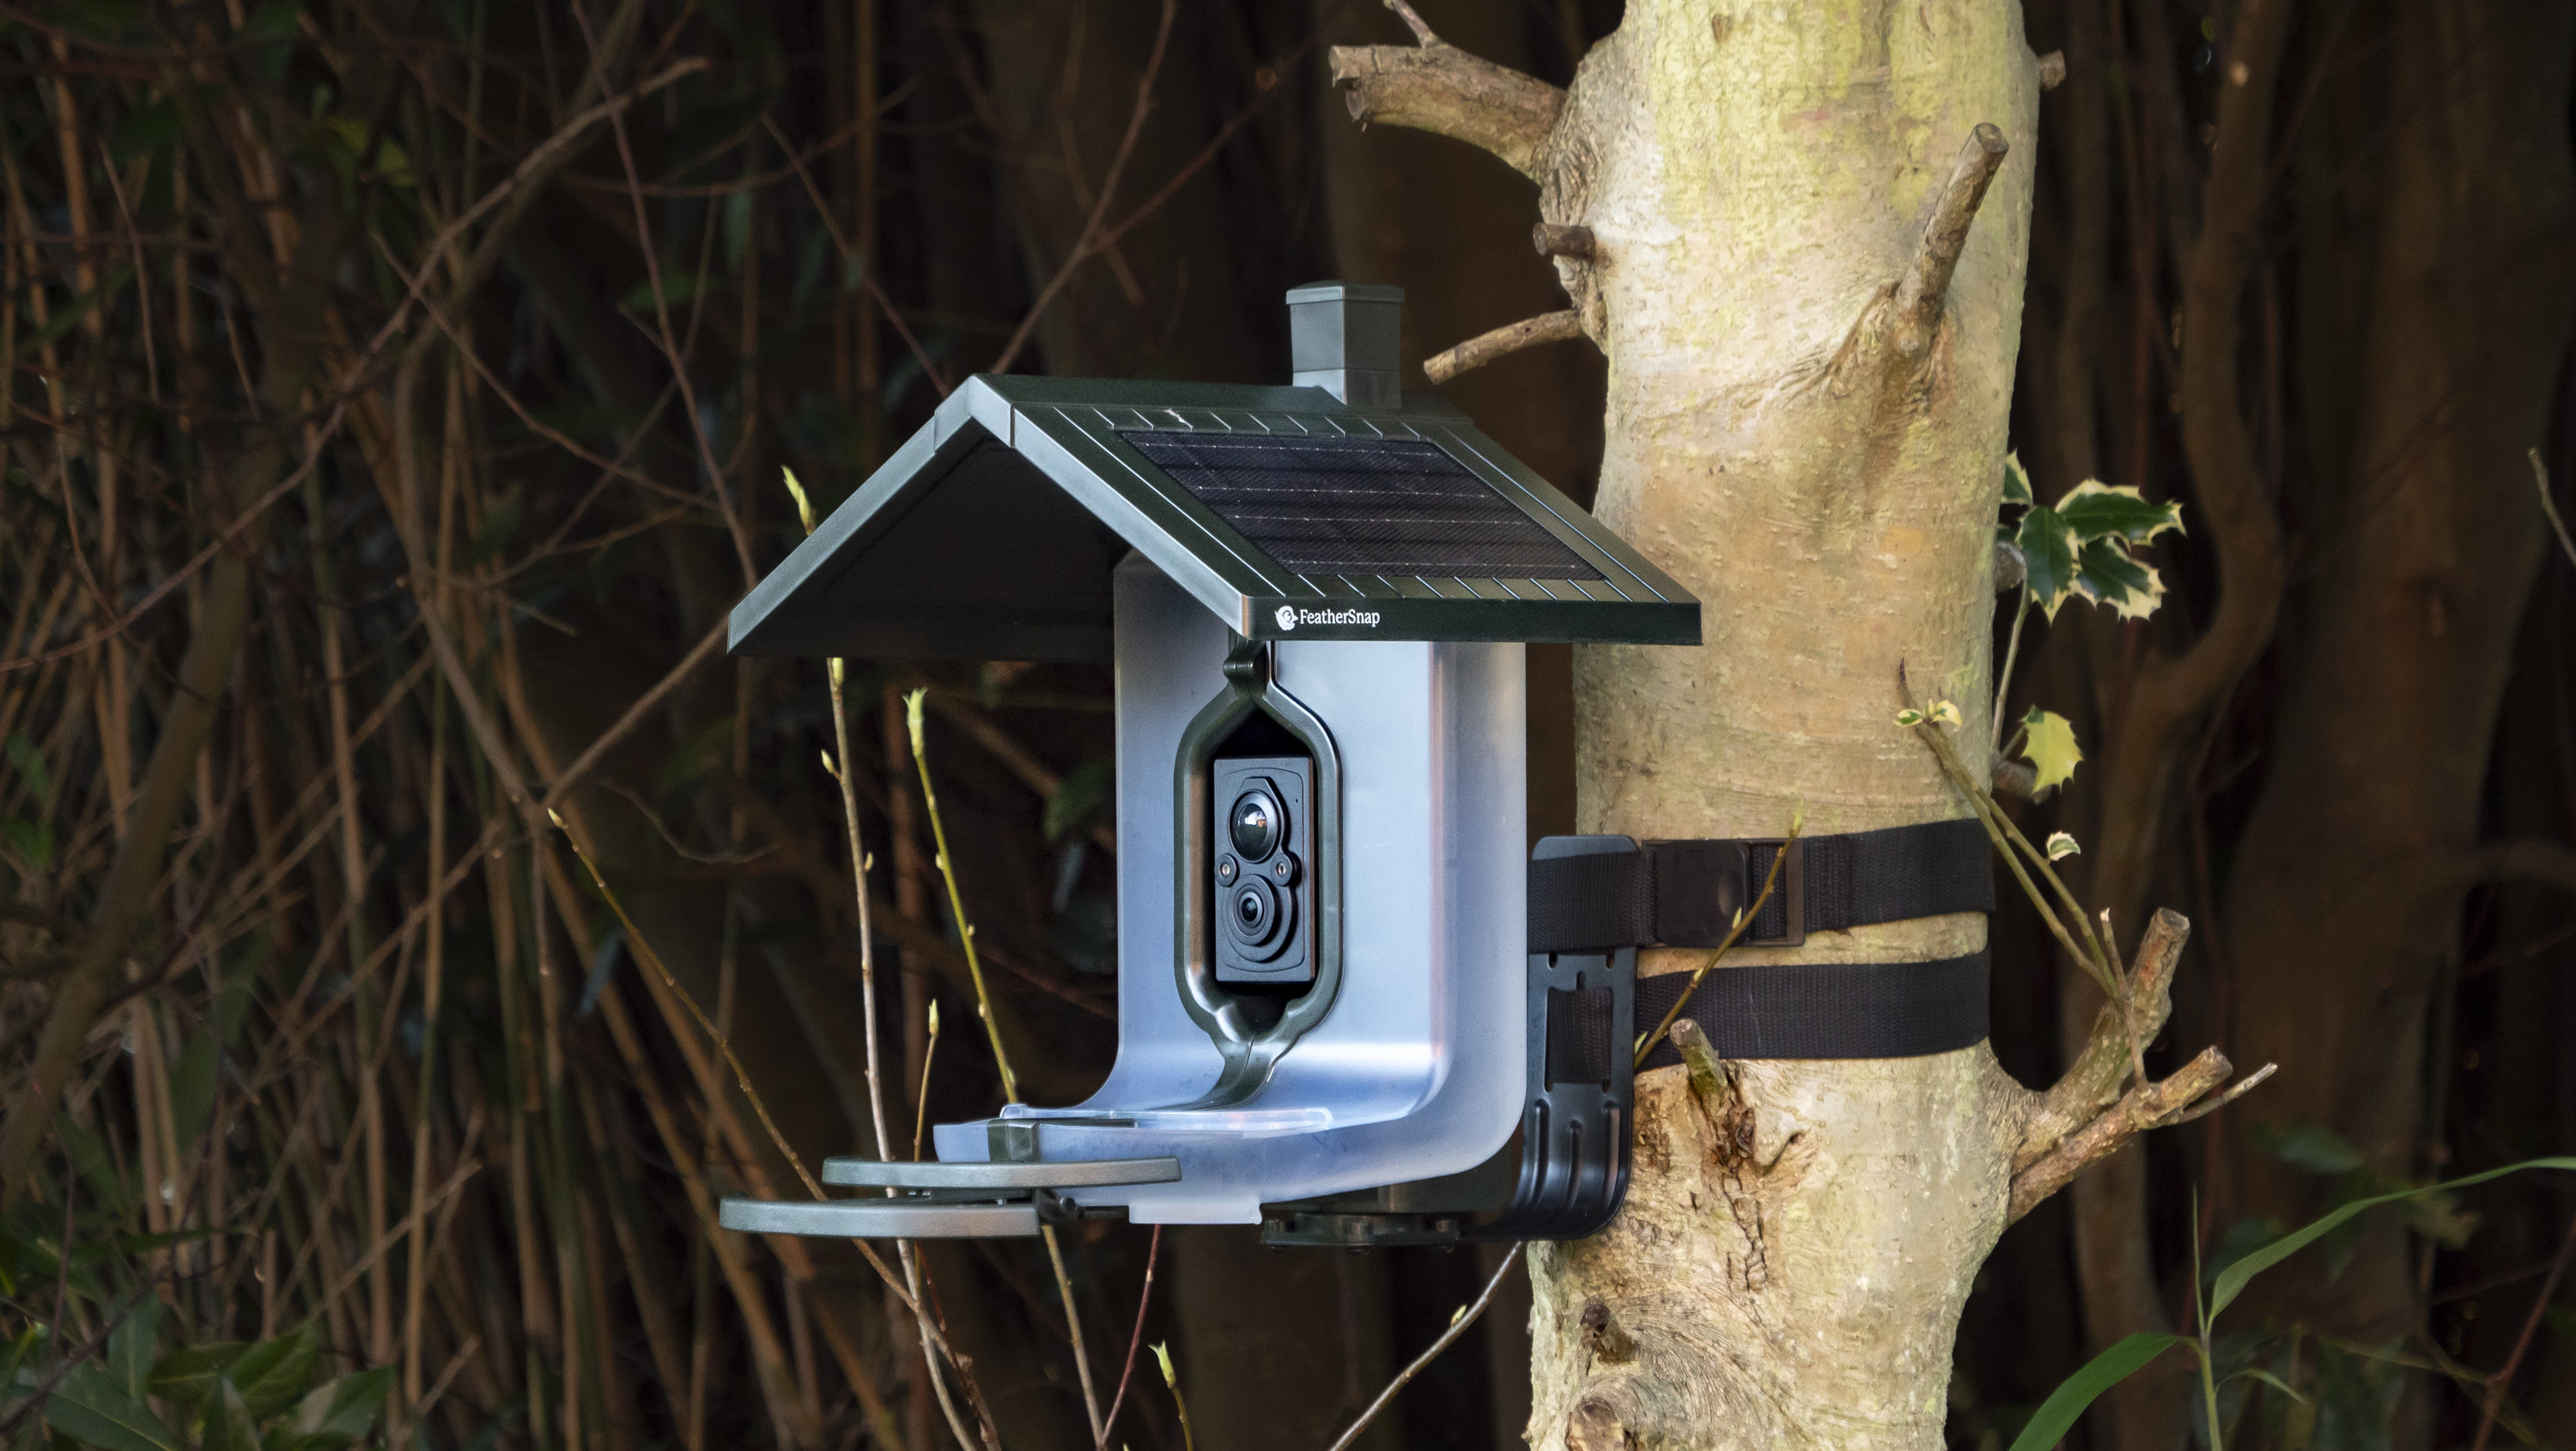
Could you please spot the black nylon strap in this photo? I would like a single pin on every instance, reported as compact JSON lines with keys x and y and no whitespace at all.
{"x":1825,"y":1009}
{"x":1685,"y":893}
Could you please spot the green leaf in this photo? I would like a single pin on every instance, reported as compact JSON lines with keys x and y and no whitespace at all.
{"x":2095,"y":510}
{"x":2232,"y":1280}
{"x":2439,"y":1218}
{"x":340,"y":1411}
{"x":2048,"y":743}
{"x":2256,"y":1372}
{"x":34,"y":340}
{"x":275,"y":1374}
{"x":2048,"y":554}
{"x":188,"y":1376}
{"x":31,"y":764}
{"x":130,"y":1346}
{"x":31,"y":840}
{"x":350,"y":138}
{"x":14,"y":1354}
{"x":272,"y":30}
{"x":2107,"y":574}
{"x":90,"y":1157}
{"x":2312,"y":1147}
{"x":1082,"y":791}
{"x":1910,"y":717}
{"x":677,"y":288}
{"x":695,"y":756}
{"x":192,"y":1082}
{"x":2061,"y":846}
{"x":89,"y":1407}
{"x":499,"y":523}
{"x":2016,"y":481}
{"x":2056,"y":1415}
{"x":230,"y":1426}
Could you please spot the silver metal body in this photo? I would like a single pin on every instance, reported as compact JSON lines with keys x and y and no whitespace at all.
{"x":1416,"y":1070}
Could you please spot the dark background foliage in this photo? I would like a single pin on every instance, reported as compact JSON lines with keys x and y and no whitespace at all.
{"x":398,"y":398}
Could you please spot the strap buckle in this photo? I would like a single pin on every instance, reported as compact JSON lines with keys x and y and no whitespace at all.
{"x":1701,"y":885}
{"x":1791,"y":893}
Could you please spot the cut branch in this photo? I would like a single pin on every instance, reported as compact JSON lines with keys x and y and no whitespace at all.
{"x":1434,"y":86}
{"x":1554,"y":239}
{"x":2148,"y":1106}
{"x":1476,"y":352}
{"x":2094,"y":1081}
{"x":1927,"y":281}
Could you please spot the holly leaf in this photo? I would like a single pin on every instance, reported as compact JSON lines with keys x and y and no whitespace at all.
{"x":2048,"y":549}
{"x":2095,"y":510}
{"x":1945,"y":714}
{"x":2016,"y":481}
{"x":2107,"y":574}
{"x":2048,"y":743}
{"x":2061,"y":846}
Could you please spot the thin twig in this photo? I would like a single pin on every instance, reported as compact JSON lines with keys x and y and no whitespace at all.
{"x":992,"y":1030}
{"x":1135,"y":1341}
{"x":956,"y":901}
{"x":1091,"y":241}
{"x":1743,"y":920}
{"x":2548,"y":506}
{"x":2503,"y":1380}
{"x":1448,"y":1337}
{"x":662,"y":315}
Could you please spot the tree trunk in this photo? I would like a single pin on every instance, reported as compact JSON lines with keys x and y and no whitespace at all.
{"x":2343,"y":905}
{"x":1811,"y":324}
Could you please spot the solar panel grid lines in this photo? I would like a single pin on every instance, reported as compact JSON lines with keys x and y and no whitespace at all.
{"x":1353,"y":506}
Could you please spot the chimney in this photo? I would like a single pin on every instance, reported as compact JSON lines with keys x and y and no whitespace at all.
{"x":1343,"y":338}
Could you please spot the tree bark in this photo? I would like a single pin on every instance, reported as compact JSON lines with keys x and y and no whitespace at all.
{"x":1807,"y":272}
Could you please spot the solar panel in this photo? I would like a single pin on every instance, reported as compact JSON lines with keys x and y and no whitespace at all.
{"x":1359,"y":506}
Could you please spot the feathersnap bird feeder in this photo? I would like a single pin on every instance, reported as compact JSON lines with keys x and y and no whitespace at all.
{"x":1315,"y":598}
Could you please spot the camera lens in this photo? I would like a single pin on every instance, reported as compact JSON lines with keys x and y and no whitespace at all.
{"x":1252,"y":912}
{"x":1256,"y":824}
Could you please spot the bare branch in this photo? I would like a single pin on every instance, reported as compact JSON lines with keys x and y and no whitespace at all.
{"x":1552,"y":239}
{"x":1434,"y":86}
{"x":1476,"y":352}
{"x":2148,"y":1106}
{"x":1927,"y":281}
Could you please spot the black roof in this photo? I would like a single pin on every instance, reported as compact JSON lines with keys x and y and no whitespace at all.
{"x":992,"y":532}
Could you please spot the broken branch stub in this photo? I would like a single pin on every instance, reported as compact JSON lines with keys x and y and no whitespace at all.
{"x":1434,"y":86}
{"x":1476,"y":352}
{"x":1926,"y":283}
{"x":1555,"y":239}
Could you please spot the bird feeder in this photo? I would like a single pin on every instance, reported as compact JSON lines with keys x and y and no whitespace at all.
{"x":1314,"y":598}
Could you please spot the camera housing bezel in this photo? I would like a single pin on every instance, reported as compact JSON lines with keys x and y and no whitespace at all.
{"x":1279,"y":953}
